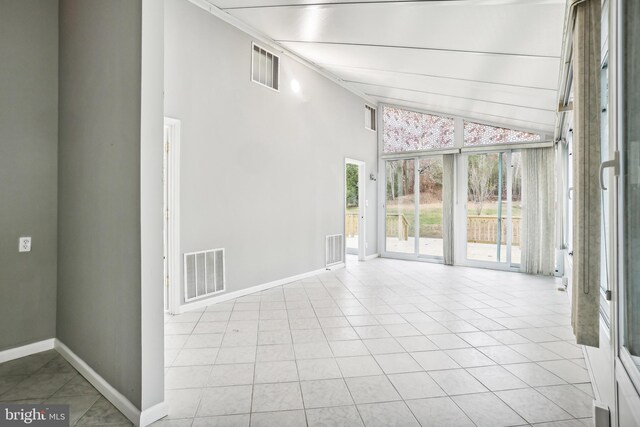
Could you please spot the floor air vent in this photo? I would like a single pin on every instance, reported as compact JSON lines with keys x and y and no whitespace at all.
{"x":334,"y":250}
{"x":203,"y":273}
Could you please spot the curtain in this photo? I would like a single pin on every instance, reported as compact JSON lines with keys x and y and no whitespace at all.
{"x":585,"y":316}
{"x":538,"y":211}
{"x":448,"y":197}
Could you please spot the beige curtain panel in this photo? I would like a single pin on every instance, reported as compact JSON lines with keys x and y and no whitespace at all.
{"x":538,"y":213}
{"x":586,"y":162}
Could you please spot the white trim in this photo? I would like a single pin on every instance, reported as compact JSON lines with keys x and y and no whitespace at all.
{"x":253,"y":289}
{"x":107,"y":390}
{"x":26,"y":350}
{"x":505,"y":147}
{"x":153,"y":414}
{"x":173,"y":204}
{"x":263,"y":38}
{"x":592,"y":378}
{"x":419,"y":153}
{"x":372,"y":256}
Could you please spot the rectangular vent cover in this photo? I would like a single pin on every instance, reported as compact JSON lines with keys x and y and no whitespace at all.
{"x":334,"y":250}
{"x":265,"y":67}
{"x":369,"y":117}
{"x":203,"y":273}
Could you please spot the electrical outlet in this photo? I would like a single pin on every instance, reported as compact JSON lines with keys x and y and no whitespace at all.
{"x":24,"y":244}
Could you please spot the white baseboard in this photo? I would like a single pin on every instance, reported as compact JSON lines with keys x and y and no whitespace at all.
{"x":118,"y":400}
{"x":26,"y":350}
{"x":153,"y":414}
{"x":372,"y":256}
{"x":253,"y":289}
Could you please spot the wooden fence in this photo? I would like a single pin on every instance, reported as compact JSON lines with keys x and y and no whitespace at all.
{"x":480,"y":228}
{"x":397,"y":224}
{"x":484,"y":229}
{"x":352,"y":224}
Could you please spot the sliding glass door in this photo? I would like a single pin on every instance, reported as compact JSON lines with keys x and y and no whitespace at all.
{"x":493,"y":208}
{"x":413,"y":208}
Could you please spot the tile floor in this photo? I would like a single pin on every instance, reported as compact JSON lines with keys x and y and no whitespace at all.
{"x":47,"y":378}
{"x":381,"y":343}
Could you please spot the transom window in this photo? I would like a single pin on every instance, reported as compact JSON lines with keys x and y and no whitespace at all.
{"x":406,"y":130}
{"x":413,"y":131}
{"x":478,"y":134}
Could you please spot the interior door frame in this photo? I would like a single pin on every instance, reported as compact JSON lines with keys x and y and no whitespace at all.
{"x":171,"y":220}
{"x":362,"y":206}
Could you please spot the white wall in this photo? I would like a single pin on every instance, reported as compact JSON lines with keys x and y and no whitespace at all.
{"x":262,"y":172}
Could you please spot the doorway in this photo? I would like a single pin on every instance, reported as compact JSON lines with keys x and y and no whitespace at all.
{"x":490,"y":191}
{"x":355,"y":208}
{"x":171,"y":214}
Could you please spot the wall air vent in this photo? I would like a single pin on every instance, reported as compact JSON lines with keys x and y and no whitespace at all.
{"x":204,"y":273}
{"x":369,"y":117}
{"x":265,"y":67}
{"x":334,"y":250}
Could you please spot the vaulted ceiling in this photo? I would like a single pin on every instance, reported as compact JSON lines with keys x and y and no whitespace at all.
{"x":490,"y":60}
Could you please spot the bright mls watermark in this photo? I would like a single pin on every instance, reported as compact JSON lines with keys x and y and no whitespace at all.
{"x":34,"y":415}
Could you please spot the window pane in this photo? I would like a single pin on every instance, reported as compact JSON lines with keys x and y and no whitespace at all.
{"x":256,"y":64}
{"x":269,"y":70}
{"x":430,"y":173}
{"x":400,"y":206}
{"x":479,"y":134}
{"x":410,"y":131}
{"x":276,"y":72}
{"x":516,"y":207}
{"x":487,"y":209}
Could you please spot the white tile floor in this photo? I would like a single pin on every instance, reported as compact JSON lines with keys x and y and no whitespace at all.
{"x":381,"y":343}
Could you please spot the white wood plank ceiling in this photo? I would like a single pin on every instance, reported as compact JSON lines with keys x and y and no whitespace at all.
{"x":491,"y":60}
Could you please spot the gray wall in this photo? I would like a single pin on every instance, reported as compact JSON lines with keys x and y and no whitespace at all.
{"x":28,"y":169}
{"x":99,"y":277}
{"x":262,"y":172}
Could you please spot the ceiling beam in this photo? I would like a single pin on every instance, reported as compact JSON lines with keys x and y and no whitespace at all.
{"x":472,"y":52}
{"x":451,"y":96}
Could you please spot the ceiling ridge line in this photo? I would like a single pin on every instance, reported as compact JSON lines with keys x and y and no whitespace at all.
{"x":324,"y":64}
{"x":339,"y":3}
{"x":471,"y":52}
{"x":452,"y":96}
{"x":360,"y":2}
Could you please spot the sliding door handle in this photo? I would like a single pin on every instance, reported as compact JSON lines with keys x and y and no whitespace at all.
{"x":615,"y":164}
